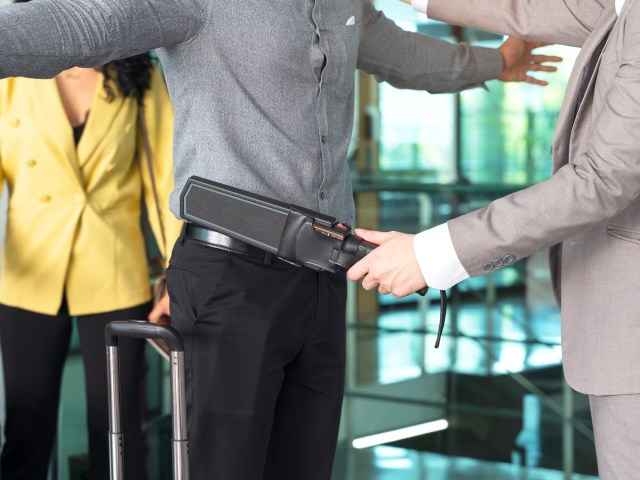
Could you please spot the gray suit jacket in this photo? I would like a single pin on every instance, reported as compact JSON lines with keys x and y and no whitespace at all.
{"x":588,"y":212}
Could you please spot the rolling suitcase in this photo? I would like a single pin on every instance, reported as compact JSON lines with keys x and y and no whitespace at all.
{"x":179,"y":442}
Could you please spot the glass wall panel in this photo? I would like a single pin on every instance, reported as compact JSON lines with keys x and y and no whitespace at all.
{"x":506,"y":133}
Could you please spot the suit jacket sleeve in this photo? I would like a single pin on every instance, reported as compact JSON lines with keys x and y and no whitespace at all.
{"x":600,"y":183}
{"x":411,"y":60}
{"x":159,"y":119}
{"x":566,"y":22}
{"x":39,"y":39}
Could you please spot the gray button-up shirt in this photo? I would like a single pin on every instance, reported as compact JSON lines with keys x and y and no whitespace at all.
{"x":262,"y":91}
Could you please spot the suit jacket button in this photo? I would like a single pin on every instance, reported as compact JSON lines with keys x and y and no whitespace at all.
{"x":508,"y":259}
{"x":488,"y":267}
{"x":498,"y":262}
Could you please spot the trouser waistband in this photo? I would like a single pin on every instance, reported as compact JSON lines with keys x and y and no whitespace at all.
{"x":224,"y":242}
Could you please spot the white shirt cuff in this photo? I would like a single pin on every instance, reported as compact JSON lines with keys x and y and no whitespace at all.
{"x":420,"y":6}
{"x":438,"y":261}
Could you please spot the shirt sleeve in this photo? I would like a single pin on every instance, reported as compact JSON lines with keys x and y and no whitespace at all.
{"x":41,"y":38}
{"x":437,"y":258}
{"x":421,"y":62}
{"x":420,"y":6}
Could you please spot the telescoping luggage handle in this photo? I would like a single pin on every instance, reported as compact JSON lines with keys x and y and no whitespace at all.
{"x":180,"y":446}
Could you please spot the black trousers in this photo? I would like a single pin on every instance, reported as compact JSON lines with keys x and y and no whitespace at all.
{"x":264,"y":353}
{"x":34,"y":348}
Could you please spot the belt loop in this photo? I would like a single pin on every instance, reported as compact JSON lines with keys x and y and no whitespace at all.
{"x":268,"y":258}
{"x":183,"y":233}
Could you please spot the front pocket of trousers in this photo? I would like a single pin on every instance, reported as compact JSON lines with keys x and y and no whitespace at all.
{"x":198,"y":275}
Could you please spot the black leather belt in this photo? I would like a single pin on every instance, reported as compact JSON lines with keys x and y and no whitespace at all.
{"x":221,"y":241}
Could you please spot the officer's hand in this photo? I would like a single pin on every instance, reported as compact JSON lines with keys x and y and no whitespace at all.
{"x":392,"y":267}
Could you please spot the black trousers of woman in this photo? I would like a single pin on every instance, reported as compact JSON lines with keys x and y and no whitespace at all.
{"x":34,"y":348}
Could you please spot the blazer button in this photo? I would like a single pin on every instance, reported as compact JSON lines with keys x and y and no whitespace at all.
{"x":110,"y":167}
{"x":31,"y":162}
{"x":15,"y":122}
{"x":488,"y":267}
{"x":127,"y":128}
{"x":508,"y":259}
{"x":498,"y":262}
{"x":79,"y":198}
{"x":45,"y":198}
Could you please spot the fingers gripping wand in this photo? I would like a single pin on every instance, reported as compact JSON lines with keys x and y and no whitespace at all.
{"x":294,"y":234}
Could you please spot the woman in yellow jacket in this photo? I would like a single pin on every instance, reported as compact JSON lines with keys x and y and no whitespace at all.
{"x":71,"y":153}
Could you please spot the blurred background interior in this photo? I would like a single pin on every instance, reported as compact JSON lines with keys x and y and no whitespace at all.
{"x":491,"y":402}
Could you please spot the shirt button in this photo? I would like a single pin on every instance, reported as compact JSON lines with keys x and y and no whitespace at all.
{"x":79,"y":198}
{"x":110,"y":167}
{"x":488,"y":267}
{"x":321,"y":195}
{"x":45,"y":198}
{"x":31,"y":162}
{"x":323,"y":139}
{"x":127,"y":128}
{"x":15,"y":122}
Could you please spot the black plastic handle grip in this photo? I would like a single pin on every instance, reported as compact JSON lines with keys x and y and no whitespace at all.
{"x":365,"y":248}
{"x":360,"y":247}
{"x":142,"y":329}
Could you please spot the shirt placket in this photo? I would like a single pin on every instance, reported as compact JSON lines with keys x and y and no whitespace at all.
{"x":321,"y":111}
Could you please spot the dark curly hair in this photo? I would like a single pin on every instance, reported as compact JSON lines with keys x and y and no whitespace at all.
{"x":131,"y":76}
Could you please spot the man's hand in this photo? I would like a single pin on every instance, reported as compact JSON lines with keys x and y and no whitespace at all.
{"x":160,"y":313}
{"x":392,"y":267}
{"x":519,"y":60}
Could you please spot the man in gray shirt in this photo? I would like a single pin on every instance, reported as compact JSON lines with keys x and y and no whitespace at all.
{"x":263,"y":99}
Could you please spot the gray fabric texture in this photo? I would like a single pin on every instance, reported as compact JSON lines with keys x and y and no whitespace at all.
{"x":616,"y":423}
{"x":263,"y":92}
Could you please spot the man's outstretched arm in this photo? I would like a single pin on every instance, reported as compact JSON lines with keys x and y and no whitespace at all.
{"x":411,"y":60}
{"x":41,"y":38}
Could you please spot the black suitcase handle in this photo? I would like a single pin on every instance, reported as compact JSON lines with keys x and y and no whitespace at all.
{"x":180,"y":445}
{"x":143,"y":329}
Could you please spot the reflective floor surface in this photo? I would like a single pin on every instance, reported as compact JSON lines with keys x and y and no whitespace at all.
{"x":390,"y":463}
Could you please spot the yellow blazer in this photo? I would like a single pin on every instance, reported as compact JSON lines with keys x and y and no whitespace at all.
{"x":73,"y":223}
